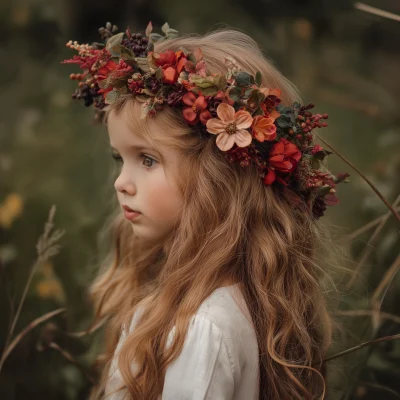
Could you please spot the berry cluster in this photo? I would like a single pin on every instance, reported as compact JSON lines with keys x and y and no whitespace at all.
{"x":136,"y":42}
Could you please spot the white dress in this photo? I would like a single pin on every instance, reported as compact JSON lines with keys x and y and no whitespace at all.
{"x":219,"y":358}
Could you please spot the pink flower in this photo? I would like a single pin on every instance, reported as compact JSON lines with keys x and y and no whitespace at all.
{"x":230,"y":127}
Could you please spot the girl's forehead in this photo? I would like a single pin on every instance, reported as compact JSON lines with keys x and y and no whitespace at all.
{"x":128,"y":124}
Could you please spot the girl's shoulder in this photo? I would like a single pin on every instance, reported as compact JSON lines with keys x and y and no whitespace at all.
{"x":227,"y":310}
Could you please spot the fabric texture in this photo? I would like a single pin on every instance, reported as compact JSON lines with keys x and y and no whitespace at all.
{"x":219,"y":358}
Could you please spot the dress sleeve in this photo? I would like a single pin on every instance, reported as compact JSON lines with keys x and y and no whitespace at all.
{"x":204,"y":368}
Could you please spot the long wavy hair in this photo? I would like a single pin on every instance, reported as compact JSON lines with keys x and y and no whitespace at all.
{"x":231,"y":228}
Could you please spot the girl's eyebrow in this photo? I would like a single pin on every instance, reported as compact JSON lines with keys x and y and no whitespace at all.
{"x":139,"y":148}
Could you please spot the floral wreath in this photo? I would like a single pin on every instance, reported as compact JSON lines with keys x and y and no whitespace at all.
{"x":251,"y":125}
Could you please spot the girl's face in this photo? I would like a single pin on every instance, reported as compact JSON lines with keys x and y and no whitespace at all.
{"x":142,"y":184}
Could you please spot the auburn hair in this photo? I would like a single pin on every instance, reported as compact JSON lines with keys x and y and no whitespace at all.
{"x":231,"y":227}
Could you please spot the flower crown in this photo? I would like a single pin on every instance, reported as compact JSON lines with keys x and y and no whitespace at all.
{"x":251,"y":125}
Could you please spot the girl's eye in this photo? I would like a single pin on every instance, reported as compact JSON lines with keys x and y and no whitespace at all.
{"x":148,"y":162}
{"x":147,"y":158}
{"x":117,"y":157}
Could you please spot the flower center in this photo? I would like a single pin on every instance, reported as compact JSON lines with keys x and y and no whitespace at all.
{"x":231,"y":128}
{"x":195,"y":109}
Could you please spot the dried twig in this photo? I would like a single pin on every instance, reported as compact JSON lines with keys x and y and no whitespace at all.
{"x":368,"y":313}
{"x":68,"y":356}
{"x":46,"y":248}
{"x":374,"y":188}
{"x":23,"y":333}
{"x":369,"y":246}
{"x":383,"y":284}
{"x":90,"y":330}
{"x":361,"y":345}
{"x":366,"y":227}
{"x":376,"y":11}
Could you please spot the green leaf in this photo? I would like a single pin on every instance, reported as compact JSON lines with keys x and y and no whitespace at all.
{"x":209,"y":91}
{"x":165,"y":28}
{"x":159,"y":73}
{"x":315,"y":164}
{"x":256,"y":97}
{"x":149,"y":29}
{"x":248,"y":92}
{"x":258,"y":78}
{"x":283,"y":122}
{"x":220,"y":81}
{"x":235,"y":92}
{"x":283,"y":110}
{"x":156,"y":37}
{"x":143,"y":64}
{"x":114,"y":41}
{"x":172,"y":33}
{"x":115,"y":51}
{"x":296,"y":105}
{"x":111,"y":96}
{"x":191,"y":57}
{"x":244,"y":79}
{"x":259,"y":111}
{"x":119,"y":83}
{"x":127,"y":53}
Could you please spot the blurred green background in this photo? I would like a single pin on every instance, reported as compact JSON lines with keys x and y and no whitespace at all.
{"x":342,"y":57}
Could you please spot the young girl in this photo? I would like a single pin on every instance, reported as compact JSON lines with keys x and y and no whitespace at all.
{"x":213,"y":288}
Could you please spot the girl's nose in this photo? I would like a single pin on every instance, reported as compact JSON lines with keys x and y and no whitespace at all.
{"x":124,"y":184}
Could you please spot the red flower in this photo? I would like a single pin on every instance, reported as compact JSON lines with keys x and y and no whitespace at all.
{"x":166,"y":59}
{"x":106,"y":69}
{"x":197,"y":108}
{"x":283,"y":160}
{"x":172,"y":64}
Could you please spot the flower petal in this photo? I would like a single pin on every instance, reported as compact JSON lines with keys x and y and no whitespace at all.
{"x":242,"y":138}
{"x":205,"y":116}
{"x":189,"y":114}
{"x":243,"y":119}
{"x":189,"y":98}
{"x":278,"y":148}
{"x":274,"y":115}
{"x":225,"y":141}
{"x":215,"y":126}
{"x":200,"y":103}
{"x":269,"y":177}
{"x":226,"y":113}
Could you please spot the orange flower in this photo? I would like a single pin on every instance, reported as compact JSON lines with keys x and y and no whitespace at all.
{"x":180,"y":60}
{"x":230,"y":127}
{"x":170,"y":75}
{"x":263,"y":128}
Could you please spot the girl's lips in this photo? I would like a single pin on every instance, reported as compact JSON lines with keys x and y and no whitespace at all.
{"x":131,"y":215}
